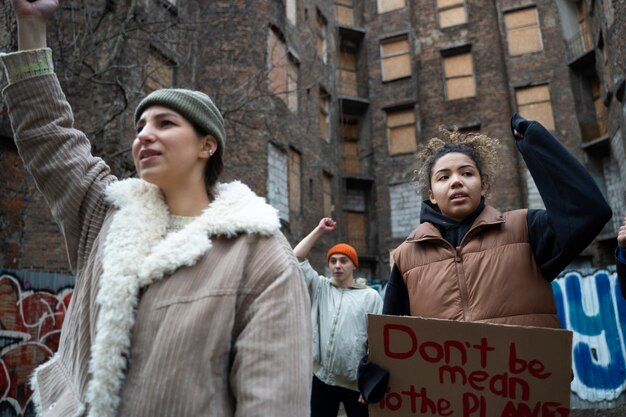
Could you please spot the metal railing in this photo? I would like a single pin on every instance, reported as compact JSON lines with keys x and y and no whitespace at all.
{"x":578,"y":45}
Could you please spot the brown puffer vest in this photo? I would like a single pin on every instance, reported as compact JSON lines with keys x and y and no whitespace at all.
{"x":491,"y":277}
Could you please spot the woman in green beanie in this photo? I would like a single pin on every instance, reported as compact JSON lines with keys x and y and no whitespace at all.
{"x":185,"y":302}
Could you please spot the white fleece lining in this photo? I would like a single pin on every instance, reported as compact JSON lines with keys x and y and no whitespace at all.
{"x":135,"y":255}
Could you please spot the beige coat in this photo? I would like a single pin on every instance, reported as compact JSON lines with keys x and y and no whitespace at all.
{"x":491,"y":277}
{"x":212,"y":320}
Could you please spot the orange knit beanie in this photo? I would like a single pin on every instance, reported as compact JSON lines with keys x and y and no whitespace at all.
{"x":344,"y":249}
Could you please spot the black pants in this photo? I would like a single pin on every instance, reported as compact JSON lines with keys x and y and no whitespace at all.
{"x":325,"y":400}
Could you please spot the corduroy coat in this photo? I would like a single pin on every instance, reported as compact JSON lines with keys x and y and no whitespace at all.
{"x":212,"y":320}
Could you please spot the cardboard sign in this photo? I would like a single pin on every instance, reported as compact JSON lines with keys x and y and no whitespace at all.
{"x":461,"y":369}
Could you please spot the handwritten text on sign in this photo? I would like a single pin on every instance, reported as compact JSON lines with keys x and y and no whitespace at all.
{"x":447,"y":368}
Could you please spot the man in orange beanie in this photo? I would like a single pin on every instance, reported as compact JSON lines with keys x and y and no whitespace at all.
{"x":339,"y":309}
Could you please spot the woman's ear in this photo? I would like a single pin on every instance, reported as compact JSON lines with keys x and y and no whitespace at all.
{"x":209,"y":147}
{"x":431,"y":197}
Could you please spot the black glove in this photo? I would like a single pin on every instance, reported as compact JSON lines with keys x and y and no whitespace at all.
{"x":372,"y":380}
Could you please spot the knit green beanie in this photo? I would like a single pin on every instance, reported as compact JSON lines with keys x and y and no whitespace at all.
{"x":195,"y":106}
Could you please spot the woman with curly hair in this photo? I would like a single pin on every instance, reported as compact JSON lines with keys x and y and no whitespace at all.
{"x":467,"y":260}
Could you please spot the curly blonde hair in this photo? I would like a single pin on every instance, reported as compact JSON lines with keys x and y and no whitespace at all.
{"x":482,"y":149}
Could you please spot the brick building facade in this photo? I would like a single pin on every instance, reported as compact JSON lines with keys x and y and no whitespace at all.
{"x":326,"y":101}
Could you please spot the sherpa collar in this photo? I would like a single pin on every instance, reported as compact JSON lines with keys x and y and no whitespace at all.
{"x":135,"y":254}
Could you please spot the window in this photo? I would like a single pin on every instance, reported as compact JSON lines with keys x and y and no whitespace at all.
{"x":277,"y":63}
{"x":277,"y":181}
{"x":282,"y":71}
{"x":347,"y":73}
{"x":350,"y":147}
{"x":401,"y":131}
{"x":405,"y":204}
{"x":295,"y":175}
{"x":344,"y":12}
{"x":321,"y":44}
{"x":327,"y":194}
{"x":355,"y":206}
{"x":522,"y":31}
{"x":598,"y":103}
{"x":533,"y":103}
{"x":292,"y":85}
{"x":395,"y":58}
{"x":324,"y":116}
{"x":159,"y":71}
{"x":357,"y":231}
{"x":451,"y":12}
{"x":389,"y":5}
{"x":291,"y":11}
{"x":459,"y":73}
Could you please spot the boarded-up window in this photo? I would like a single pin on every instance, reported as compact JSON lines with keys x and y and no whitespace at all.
{"x":395,"y":58}
{"x":459,"y":73}
{"x":282,"y":71}
{"x":292,"y":85}
{"x":599,"y":106}
{"x":277,"y":64}
{"x":159,"y":71}
{"x":347,"y":73}
{"x":324,"y":115}
{"x":451,"y":12}
{"x":277,"y":181}
{"x":291,"y":10}
{"x":344,"y":12}
{"x":357,"y":231}
{"x":401,"y":131}
{"x":350,"y":148}
{"x":533,"y":103}
{"x":389,"y":5}
{"x":295,"y":189}
{"x":405,"y":207}
{"x":321,"y":43}
{"x":522,"y":31}
{"x":327,"y":194}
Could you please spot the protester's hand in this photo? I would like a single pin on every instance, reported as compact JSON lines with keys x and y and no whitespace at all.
{"x":327,"y":225}
{"x":361,"y":399}
{"x":621,"y":235}
{"x":32,"y":17}
{"x":35,"y":9}
{"x":519,"y":126}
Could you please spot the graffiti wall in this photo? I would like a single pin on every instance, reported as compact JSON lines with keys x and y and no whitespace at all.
{"x":590,"y":304}
{"x":30,"y":320}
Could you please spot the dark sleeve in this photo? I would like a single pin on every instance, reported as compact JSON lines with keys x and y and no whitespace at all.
{"x":372,"y":380}
{"x":621,"y":276}
{"x":396,"y":301}
{"x":576,"y":211}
